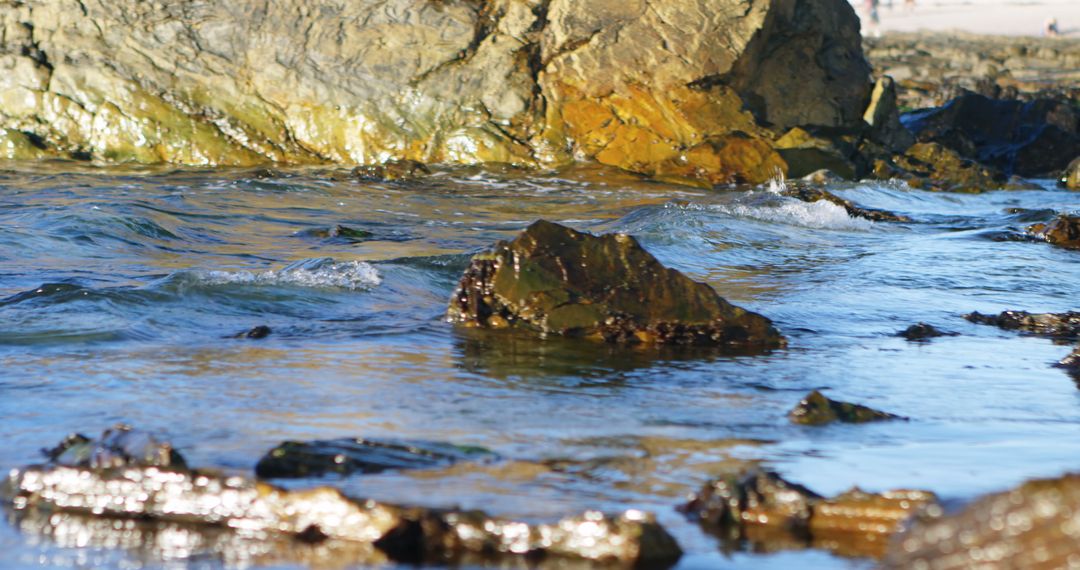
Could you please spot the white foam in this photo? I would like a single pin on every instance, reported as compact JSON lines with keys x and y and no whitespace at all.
{"x":313,"y":273}
{"x":817,"y":215}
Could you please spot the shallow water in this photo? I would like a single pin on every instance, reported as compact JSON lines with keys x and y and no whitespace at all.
{"x":120,"y":290}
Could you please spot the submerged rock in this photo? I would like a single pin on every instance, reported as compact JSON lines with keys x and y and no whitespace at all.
{"x":140,"y":488}
{"x":338,"y":233}
{"x":1031,"y":526}
{"x":256,"y":332}
{"x":762,"y":508}
{"x":923,"y":331}
{"x":815,"y":409}
{"x":344,"y":456}
{"x":555,"y":280}
{"x":1063,"y":231}
{"x":391,"y":171}
{"x":1056,"y":325}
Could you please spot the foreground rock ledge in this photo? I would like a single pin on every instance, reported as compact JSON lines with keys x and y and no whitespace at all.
{"x":127,"y":475}
{"x":555,"y":280}
{"x":1034,"y":525}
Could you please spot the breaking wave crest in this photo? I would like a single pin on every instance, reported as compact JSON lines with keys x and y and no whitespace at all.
{"x":319,"y":273}
{"x":789,"y":211}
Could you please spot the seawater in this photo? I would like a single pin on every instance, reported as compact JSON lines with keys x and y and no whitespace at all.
{"x":121,"y":290}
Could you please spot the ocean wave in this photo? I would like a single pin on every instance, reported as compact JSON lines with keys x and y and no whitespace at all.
{"x":789,"y":211}
{"x":317,"y":273}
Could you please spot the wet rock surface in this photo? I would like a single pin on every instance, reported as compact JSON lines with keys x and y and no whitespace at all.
{"x":118,"y":446}
{"x":1071,"y":364}
{"x":815,"y":409}
{"x":646,"y":87}
{"x":358,"y":455}
{"x":141,"y":489}
{"x":1062,"y":231}
{"x":811,"y":194}
{"x":555,"y":280}
{"x":1064,"y":326}
{"x":1031,"y":526}
{"x":762,"y":508}
{"x":923,"y":331}
{"x":338,"y":234}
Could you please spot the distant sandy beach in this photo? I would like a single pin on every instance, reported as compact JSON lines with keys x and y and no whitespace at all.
{"x":1005,"y":17}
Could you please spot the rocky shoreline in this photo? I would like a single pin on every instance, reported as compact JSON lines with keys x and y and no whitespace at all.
{"x":526,"y":82}
{"x":386,"y":91}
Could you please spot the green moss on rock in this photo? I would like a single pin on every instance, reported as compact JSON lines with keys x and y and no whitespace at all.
{"x":555,"y":280}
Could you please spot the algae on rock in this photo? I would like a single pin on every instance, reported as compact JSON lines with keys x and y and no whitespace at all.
{"x":555,"y":280}
{"x":682,"y":89}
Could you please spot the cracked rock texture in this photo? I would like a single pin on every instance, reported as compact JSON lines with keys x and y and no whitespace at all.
{"x":688,"y":89}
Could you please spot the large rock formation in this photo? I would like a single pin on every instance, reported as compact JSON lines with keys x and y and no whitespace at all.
{"x":681,"y":88}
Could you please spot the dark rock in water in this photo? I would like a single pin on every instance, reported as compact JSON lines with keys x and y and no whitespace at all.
{"x":809,"y":194}
{"x":391,"y":171}
{"x":1033,"y":138}
{"x":256,"y":332}
{"x":923,"y":331}
{"x":555,"y":280}
{"x":1071,"y":177}
{"x":942,"y":169}
{"x":1062,"y":231}
{"x":119,"y":446}
{"x":1056,"y":325}
{"x":1071,"y":363}
{"x":313,"y":458}
{"x":1031,"y":526}
{"x":145,"y":490}
{"x":756,"y":497}
{"x":268,"y":174}
{"x":815,"y":409}
{"x":338,"y":233}
{"x":762,"y":508}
